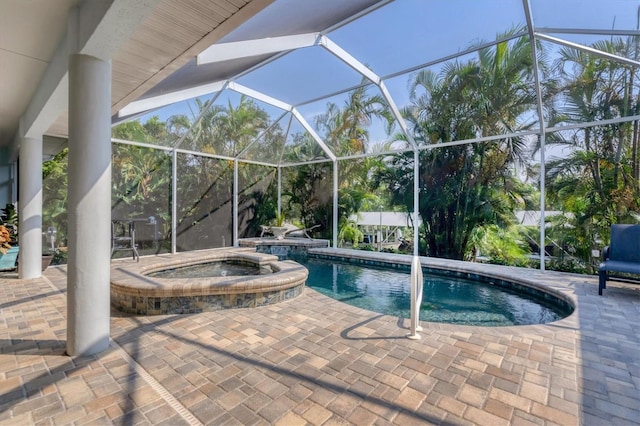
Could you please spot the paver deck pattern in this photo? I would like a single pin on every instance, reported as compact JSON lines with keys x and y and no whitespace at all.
{"x":313,"y":360}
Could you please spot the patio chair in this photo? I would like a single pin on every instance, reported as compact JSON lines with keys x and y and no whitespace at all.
{"x":622,"y":254}
{"x":123,"y":237}
{"x":265,"y":230}
{"x":303,"y":231}
{"x":286,"y":229}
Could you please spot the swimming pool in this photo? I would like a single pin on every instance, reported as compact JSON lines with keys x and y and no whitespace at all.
{"x":445,"y":299}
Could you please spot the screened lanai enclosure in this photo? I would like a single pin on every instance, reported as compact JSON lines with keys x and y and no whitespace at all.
{"x":471,"y":115}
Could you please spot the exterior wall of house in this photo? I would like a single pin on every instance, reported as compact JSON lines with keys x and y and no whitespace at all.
{"x":8,"y":191}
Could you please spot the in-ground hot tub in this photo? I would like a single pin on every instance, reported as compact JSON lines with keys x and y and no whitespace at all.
{"x":135,"y":289}
{"x":226,"y":268}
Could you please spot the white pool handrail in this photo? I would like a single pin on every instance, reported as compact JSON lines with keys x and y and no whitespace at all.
{"x":416,"y":297}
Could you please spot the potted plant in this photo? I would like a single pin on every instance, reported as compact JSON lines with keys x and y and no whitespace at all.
{"x":46,"y":260}
{"x":279,"y":230}
{"x":5,"y":239}
{"x":8,"y":238}
{"x":9,"y":248}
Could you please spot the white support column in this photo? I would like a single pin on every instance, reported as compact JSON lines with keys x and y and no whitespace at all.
{"x":335,"y":203}
{"x":89,"y":208}
{"x":543,"y":202}
{"x":416,"y":201}
{"x":30,"y":209}
{"x":174,"y":200}
{"x":279,"y":189}
{"x":235,"y":221}
{"x":416,"y":267}
{"x":540,"y":109}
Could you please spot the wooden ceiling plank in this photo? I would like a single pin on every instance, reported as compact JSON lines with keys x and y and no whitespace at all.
{"x":181,"y":27}
{"x":189,"y":11}
{"x":189,"y":21}
{"x":248,"y":11}
{"x":238,"y":3}
{"x":225,"y":5}
{"x":205,"y":10}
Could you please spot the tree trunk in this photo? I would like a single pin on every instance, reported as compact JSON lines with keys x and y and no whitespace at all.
{"x":595,"y":166}
{"x":635,"y":160}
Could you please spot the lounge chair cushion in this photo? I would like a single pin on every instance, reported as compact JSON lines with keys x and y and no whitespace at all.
{"x":623,"y":254}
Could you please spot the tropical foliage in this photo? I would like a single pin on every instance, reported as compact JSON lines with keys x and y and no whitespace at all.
{"x":141,"y":188}
{"x":344,"y":130}
{"x":468,"y":191}
{"x":464,"y":187}
{"x":5,"y":239}
{"x":8,"y":228}
{"x":598,"y":180}
{"x":54,"y":195}
{"x":204,"y":184}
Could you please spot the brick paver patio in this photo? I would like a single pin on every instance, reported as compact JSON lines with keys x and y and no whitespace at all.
{"x":313,"y":360}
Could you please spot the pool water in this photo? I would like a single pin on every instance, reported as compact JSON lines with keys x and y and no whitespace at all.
{"x":445,"y":299}
{"x":212,"y":269}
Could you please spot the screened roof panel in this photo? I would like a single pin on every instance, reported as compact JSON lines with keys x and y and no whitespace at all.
{"x":487,"y":93}
{"x":402,"y":85}
{"x":302,"y":75}
{"x":191,"y":75}
{"x":163,"y":126}
{"x":585,"y":78}
{"x":230,"y":124}
{"x":621,"y":45}
{"x":300,"y":146}
{"x":284,"y":17}
{"x":268,"y":146}
{"x":232,"y":99}
{"x":586,"y":14}
{"x":410,"y":33}
{"x":346,"y":133}
{"x":395,"y":39}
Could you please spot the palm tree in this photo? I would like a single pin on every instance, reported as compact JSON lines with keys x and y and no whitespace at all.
{"x":467,"y":186}
{"x":227,"y":130}
{"x":54,"y":194}
{"x":141,"y":187}
{"x":205,"y":185}
{"x":597,"y":182}
{"x":345,"y":131}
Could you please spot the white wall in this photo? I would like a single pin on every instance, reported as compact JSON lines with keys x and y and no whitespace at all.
{"x":7,"y":194}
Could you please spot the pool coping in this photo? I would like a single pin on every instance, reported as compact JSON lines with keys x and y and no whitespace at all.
{"x":286,"y":241}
